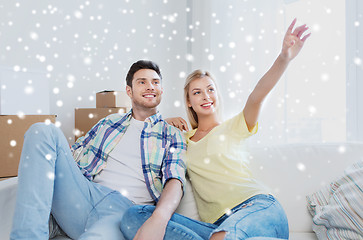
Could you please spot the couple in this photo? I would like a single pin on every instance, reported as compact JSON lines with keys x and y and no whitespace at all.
{"x":125,"y":177}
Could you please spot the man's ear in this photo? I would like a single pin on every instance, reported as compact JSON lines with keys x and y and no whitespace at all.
{"x":129,"y":91}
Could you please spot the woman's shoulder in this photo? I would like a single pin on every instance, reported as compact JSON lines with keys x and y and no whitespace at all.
{"x":237,"y":124}
{"x":189,"y":134}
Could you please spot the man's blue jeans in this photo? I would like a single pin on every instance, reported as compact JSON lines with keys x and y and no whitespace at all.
{"x":51,"y":182}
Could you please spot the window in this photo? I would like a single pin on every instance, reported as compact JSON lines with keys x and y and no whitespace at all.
{"x":309,"y":102}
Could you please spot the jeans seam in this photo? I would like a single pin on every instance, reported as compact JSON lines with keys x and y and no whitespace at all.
{"x":186,"y":234}
{"x":235,"y":228}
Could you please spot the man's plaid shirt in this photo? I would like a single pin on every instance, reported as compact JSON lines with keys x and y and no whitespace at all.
{"x":162,"y":149}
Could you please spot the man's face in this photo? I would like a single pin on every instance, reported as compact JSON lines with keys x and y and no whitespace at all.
{"x":146,"y":89}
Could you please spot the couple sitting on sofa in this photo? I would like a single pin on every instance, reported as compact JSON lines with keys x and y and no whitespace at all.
{"x":125,"y":177}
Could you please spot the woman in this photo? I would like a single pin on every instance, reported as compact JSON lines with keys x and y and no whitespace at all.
{"x":227,"y":195}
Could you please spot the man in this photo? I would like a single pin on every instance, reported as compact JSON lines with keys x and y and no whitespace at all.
{"x":134,"y":158}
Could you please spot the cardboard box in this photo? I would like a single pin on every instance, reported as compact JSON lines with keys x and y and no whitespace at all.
{"x":86,"y":118}
{"x":4,"y":178}
{"x":12,"y":130}
{"x":112,"y":99}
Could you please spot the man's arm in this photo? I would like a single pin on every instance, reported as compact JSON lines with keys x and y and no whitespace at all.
{"x":154,"y":227}
{"x":174,"y":170}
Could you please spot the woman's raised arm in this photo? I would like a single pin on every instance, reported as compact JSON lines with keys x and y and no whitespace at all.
{"x":291,"y":46}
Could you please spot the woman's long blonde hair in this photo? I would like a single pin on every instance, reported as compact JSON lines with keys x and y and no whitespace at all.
{"x":192,"y":115}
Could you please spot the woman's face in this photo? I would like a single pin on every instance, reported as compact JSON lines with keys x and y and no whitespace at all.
{"x":203,"y":96}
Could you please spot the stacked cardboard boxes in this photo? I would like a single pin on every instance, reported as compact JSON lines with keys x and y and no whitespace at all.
{"x":107,"y":102}
{"x":112,"y":99}
{"x":12,"y":130}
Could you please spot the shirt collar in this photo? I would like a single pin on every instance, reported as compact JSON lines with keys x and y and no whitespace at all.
{"x":152,"y":119}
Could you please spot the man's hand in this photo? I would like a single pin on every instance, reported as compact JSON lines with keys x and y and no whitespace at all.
{"x":153,"y":228}
{"x":178,"y":122}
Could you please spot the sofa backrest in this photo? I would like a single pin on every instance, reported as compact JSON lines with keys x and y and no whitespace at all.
{"x":293,"y":171}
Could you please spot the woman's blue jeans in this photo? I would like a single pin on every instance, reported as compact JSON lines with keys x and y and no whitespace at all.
{"x":260,"y":217}
{"x":51,"y":182}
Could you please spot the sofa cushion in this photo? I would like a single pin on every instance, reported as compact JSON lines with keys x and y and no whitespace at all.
{"x":302,"y":236}
{"x":337,"y":209}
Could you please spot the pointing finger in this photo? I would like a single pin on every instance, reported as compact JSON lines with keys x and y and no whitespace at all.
{"x":305,"y":37}
{"x":289,"y":30}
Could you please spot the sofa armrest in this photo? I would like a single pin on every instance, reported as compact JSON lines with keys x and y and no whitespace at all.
{"x":7,"y":205}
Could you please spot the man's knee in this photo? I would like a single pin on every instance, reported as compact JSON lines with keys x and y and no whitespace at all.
{"x":40,"y":128}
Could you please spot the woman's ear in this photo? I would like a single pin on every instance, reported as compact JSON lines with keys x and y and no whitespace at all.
{"x":188,"y":103}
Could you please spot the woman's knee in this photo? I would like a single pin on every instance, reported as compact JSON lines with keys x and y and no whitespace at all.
{"x":134,"y":218}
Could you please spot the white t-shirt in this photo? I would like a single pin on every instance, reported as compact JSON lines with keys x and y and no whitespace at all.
{"x":123,"y":171}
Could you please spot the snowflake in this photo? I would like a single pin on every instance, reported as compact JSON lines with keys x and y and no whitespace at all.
{"x":177,"y":103}
{"x":76,"y":132}
{"x":312,"y":110}
{"x":50,"y":68}
{"x":124,"y":192}
{"x":228,"y":211}
{"x":189,"y":57}
{"x":238,"y":77}
{"x":16,"y":68}
{"x":357,"y":61}
{"x":59,"y":103}
{"x":316,"y":27}
{"x":21,"y":115}
{"x":222,"y":138}
{"x":58,"y":124}
{"x":324,"y":77}
{"x":13,"y":143}
{"x":51,"y":175}
{"x":78,"y":14}
{"x":29,"y":90}
{"x":249,"y":38}
{"x":87,"y":60}
{"x":252,"y":69}
{"x":342,"y":149}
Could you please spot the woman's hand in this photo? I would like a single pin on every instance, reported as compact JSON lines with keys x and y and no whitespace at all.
{"x":293,"y":42}
{"x":178,"y":122}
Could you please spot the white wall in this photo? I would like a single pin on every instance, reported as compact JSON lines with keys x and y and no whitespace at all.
{"x":354,"y":46}
{"x":239,"y":40}
{"x":88,"y":46}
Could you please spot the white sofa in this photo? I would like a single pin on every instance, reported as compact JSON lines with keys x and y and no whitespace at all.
{"x":292,"y":171}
